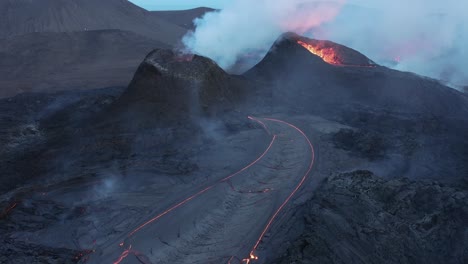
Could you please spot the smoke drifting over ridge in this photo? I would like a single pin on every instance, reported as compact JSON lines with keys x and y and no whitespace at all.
{"x":423,"y":36}
{"x":246,"y":26}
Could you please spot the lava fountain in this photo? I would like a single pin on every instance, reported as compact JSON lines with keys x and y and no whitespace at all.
{"x":333,"y":53}
{"x":328,"y":54}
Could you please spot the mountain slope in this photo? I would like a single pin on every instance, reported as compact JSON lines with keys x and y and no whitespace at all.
{"x":25,"y":16}
{"x":74,"y":60}
{"x":51,"y":45}
{"x":350,"y":79}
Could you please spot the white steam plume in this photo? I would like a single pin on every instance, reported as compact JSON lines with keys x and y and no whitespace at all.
{"x":244,"y":26}
{"x":428,"y":37}
{"x":424,"y":36}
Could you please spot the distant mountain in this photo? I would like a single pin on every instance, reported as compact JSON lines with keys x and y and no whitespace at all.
{"x":71,"y":60}
{"x":50,"y":45}
{"x":19,"y":17}
{"x":183,"y":18}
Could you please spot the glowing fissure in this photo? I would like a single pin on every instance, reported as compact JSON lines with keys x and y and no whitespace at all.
{"x":252,"y":255}
{"x":331,"y":56}
{"x":128,"y":251}
{"x":204,"y":190}
{"x":327,"y":54}
{"x":169,"y":210}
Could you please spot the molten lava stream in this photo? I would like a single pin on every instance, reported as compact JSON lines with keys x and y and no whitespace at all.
{"x":331,"y":56}
{"x":252,"y":255}
{"x":327,"y":54}
{"x":128,"y":251}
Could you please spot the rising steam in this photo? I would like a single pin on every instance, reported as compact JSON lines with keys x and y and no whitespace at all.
{"x":424,"y":36}
{"x":246,"y":26}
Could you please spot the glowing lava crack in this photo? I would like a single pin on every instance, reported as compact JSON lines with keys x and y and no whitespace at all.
{"x":235,"y":211}
{"x":327,"y":54}
{"x":335,"y":54}
{"x":273,"y":217}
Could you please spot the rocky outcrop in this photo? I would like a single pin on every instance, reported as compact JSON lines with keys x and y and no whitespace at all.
{"x":168,"y":85}
{"x":358,"y":217}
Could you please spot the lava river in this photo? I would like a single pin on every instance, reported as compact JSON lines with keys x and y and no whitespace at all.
{"x":226,"y":221}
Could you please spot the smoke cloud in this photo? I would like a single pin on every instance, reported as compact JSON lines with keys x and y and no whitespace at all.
{"x":244,"y":26}
{"x":423,"y":36}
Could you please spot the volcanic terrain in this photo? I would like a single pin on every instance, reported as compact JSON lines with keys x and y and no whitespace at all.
{"x":117,"y":147}
{"x":54,"y":45}
{"x":316,"y":154}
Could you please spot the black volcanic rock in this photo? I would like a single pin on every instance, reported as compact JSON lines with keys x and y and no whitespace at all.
{"x":22,"y":252}
{"x":358,"y":217}
{"x":311,"y":84}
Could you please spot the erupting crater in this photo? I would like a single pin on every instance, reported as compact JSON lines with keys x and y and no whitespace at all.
{"x":327,"y":54}
{"x":333,"y":53}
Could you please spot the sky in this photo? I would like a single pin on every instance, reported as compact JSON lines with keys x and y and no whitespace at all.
{"x":178,"y":4}
{"x":187,"y":4}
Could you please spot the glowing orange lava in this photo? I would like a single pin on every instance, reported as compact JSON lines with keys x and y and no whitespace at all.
{"x":129,"y":250}
{"x":252,"y":256}
{"x":327,"y":54}
{"x":273,"y":217}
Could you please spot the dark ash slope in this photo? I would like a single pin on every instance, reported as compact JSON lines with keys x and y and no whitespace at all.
{"x":25,"y":16}
{"x":155,"y":136}
{"x":46,"y":62}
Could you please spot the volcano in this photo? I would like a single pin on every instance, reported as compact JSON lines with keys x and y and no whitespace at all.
{"x":334,"y":77}
{"x":333,"y":53}
{"x":316,"y":154}
{"x":168,"y":84}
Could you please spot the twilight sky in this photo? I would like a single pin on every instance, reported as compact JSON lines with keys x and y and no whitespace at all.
{"x":187,"y":4}
{"x":178,"y":4}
